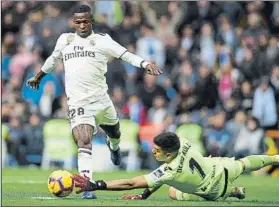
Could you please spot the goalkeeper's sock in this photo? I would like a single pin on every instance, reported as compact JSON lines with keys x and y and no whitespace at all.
{"x":256,"y":162}
{"x":85,"y":163}
{"x":113,"y":143}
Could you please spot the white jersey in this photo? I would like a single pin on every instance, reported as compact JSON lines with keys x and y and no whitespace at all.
{"x":85,"y":63}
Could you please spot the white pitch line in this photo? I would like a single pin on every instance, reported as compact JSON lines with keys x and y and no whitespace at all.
{"x":26,"y":182}
{"x":43,"y":198}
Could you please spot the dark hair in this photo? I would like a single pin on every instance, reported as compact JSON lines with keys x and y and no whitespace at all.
{"x":82,"y":9}
{"x":256,"y":120}
{"x":168,"y":141}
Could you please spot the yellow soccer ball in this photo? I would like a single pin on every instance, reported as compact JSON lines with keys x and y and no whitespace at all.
{"x":60,"y":183}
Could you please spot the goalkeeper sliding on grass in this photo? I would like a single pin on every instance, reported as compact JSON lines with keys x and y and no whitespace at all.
{"x":186,"y":171}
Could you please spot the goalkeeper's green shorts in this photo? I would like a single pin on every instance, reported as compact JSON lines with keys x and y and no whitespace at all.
{"x":221,"y":186}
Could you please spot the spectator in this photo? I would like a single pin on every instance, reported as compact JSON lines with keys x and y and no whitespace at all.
{"x":125,"y":33}
{"x":200,"y":12}
{"x":246,"y":96}
{"x":188,"y":41}
{"x":33,"y":139}
{"x":233,"y":10}
{"x":157,"y":113}
{"x":16,"y":139}
{"x":150,"y":47}
{"x":272,"y":53}
{"x":20,"y":61}
{"x":29,"y":38}
{"x":225,"y":87}
{"x":186,"y":74}
{"x":206,"y":89}
{"x":135,"y":110}
{"x":172,"y":47}
{"x":9,"y":42}
{"x":6,"y":112}
{"x":101,"y":25}
{"x":185,"y":100}
{"x":132,"y":74}
{"x":8,"y":24}
{"x":249,"y":66}
{"x":169,"y":123}
{"x":207,"y":45}
{"x":116,"y":69}
{"x":240,"y":51}
{"x":164,"y":29}
{"x":255,"y":26}
{"x":19,"y":13}
{"x":5,"y":65}
{"x":62,"y":111}
{"x":119,"y":100}
{"x":234,"y":125}
{"x":175,"y":12}
{"x":217,"y":136}
{"x":275,"y":81}
{"x":250,"y":139}
{"x":264,"y":105}
{"x":47,"y":99}
{"x":274,"y":23}
{"x":226,"y":33}
{"x":33,"y":97}
{"x":230,"y":106}
{"x":149,"y":89}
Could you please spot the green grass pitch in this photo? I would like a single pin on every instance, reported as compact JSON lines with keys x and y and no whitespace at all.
{"x":28,"y":187}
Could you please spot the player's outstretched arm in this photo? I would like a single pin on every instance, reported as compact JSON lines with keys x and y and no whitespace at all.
{"x":114,"y":49}
{"x":137,"y":61}
{"x":49,"y":64}
{"x":115,"y":185}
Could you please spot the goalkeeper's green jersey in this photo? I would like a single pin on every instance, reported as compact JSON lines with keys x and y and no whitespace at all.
{"x":190,"y":172}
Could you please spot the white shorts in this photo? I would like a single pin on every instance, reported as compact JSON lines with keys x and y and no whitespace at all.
{"x":97,"y":113}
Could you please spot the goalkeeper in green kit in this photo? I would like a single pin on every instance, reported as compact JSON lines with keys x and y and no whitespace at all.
{"x":186,"y":171}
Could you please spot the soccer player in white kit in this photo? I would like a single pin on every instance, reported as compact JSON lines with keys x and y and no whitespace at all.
{"x":85,"y":55}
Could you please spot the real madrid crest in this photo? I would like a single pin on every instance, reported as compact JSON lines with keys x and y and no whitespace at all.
{"x":70,"y":38}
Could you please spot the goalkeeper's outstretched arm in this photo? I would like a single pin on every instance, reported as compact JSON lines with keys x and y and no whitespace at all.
{"x":114,"y":185}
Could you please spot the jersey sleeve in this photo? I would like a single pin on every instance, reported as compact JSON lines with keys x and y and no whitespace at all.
{"x":157,"y":177}
{"x":56,"y":54}
{"x":113,"y":48}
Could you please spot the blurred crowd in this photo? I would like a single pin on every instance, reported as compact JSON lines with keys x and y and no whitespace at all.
{"x":220,"y":62}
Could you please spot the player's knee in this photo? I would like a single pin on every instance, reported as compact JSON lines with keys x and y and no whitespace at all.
{"x":112,"y":131}
{"x":84,"y":143}
{"x":82,"y":135}
{"x":117,"y":134}
{"x":172,"y":193}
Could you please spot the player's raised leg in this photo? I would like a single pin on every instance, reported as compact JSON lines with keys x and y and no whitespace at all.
{"x":113,"y":140}
{"x":82,"y":135}
{"x":256,"y":162}
{"x":236,"y":192}
{"x":109,"y":122}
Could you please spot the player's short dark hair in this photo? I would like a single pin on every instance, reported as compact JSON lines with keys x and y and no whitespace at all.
{"x":168,"y":141}
{"x":82,"y":9}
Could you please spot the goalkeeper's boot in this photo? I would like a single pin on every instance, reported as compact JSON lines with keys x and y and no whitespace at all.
{"x":239,"y":192}
{"x":115,"y":155}
{"x":88,"y":195}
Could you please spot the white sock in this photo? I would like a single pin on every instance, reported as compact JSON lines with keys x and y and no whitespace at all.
{"x":114,"y":143}
{"x":85,"y":165}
